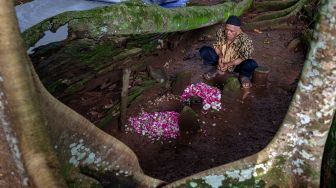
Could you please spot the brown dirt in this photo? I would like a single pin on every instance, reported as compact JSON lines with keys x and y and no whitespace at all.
{"x":242,"y":128}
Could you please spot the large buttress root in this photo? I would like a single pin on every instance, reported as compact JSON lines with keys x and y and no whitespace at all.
{"x":272,"y":16}
{"x":293,"y":158}
{"x":52,"y":137}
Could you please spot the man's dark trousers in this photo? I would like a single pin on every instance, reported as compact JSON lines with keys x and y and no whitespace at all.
{"x":210,"y":57}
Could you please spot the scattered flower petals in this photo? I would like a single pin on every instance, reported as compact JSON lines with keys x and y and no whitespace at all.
{"x":211,"y":96}
{"x":164,"y":98}
{"x":156,"y":125}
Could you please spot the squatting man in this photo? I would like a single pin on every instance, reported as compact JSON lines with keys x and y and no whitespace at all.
{"x":231,"y":53}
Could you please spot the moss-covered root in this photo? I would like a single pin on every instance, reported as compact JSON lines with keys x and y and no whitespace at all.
{"x":124,"y":19}
{"x":274,"y":18}
{"x":294,"y":156}
{"x":114,"y":112}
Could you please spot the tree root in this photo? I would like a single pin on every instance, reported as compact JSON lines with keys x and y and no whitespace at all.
{"x":44,"y":126}
{"x":279,"y":13}
{"x":273,"y":5}
{"x":272,"y":19}
{"x":283,"y":26}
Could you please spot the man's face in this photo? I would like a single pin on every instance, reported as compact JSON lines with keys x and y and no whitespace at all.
{"x":231,"y":31}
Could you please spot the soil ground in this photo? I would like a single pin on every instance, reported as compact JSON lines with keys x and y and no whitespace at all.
{"x":243,"y":127}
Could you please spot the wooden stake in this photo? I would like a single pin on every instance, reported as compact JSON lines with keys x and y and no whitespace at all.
{"x":124,"y":96}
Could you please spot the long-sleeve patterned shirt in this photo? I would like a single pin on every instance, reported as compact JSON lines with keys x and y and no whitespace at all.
{"x":241,"y":47}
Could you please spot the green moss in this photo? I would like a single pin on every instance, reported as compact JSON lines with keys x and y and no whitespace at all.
{"x":125,"y":19}
{"x":229,"y":183}
{"x":66,"y":169}
{"x":99,"y":57}
{"x":141,"y":40}
{"x":280,"y":160}
{"x":74,"y":179}
{"x":73,"y":89}
{"x":107,"y":119}
{"x":52,"y":88}
{"x":127,"y":53}
{"x":107,"y":68}
{"x":310,"y":172}
{"x":231,"y":84}
{"x":96,"y":58}
{"x":149,"y":47}
{"x":276,"y":171}
{"x":260,"y":184}
{"x":133,"y":94}
{"x":188,"y":121}
{"x":137,"y":90}
{"x":99,"y":54}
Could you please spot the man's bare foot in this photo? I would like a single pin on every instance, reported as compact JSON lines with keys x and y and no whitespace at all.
{"x":221,"y":72}
{"x":209,"y":76}
{"x":245,"y":92}
{"x":206,"y":76}
{"x":245,"y":82}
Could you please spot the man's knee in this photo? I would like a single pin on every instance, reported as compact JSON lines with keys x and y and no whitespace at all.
{"x":249,"y":64}
{"x":207,"y":51}
{"x":208,"y":55}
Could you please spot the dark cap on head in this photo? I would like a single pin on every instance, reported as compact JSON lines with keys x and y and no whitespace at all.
{"x":233,"y":20}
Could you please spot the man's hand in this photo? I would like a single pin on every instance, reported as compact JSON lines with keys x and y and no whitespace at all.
{"x":236,"y":62}
{"x":220,"y":60}
{"x":222,"y":66}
